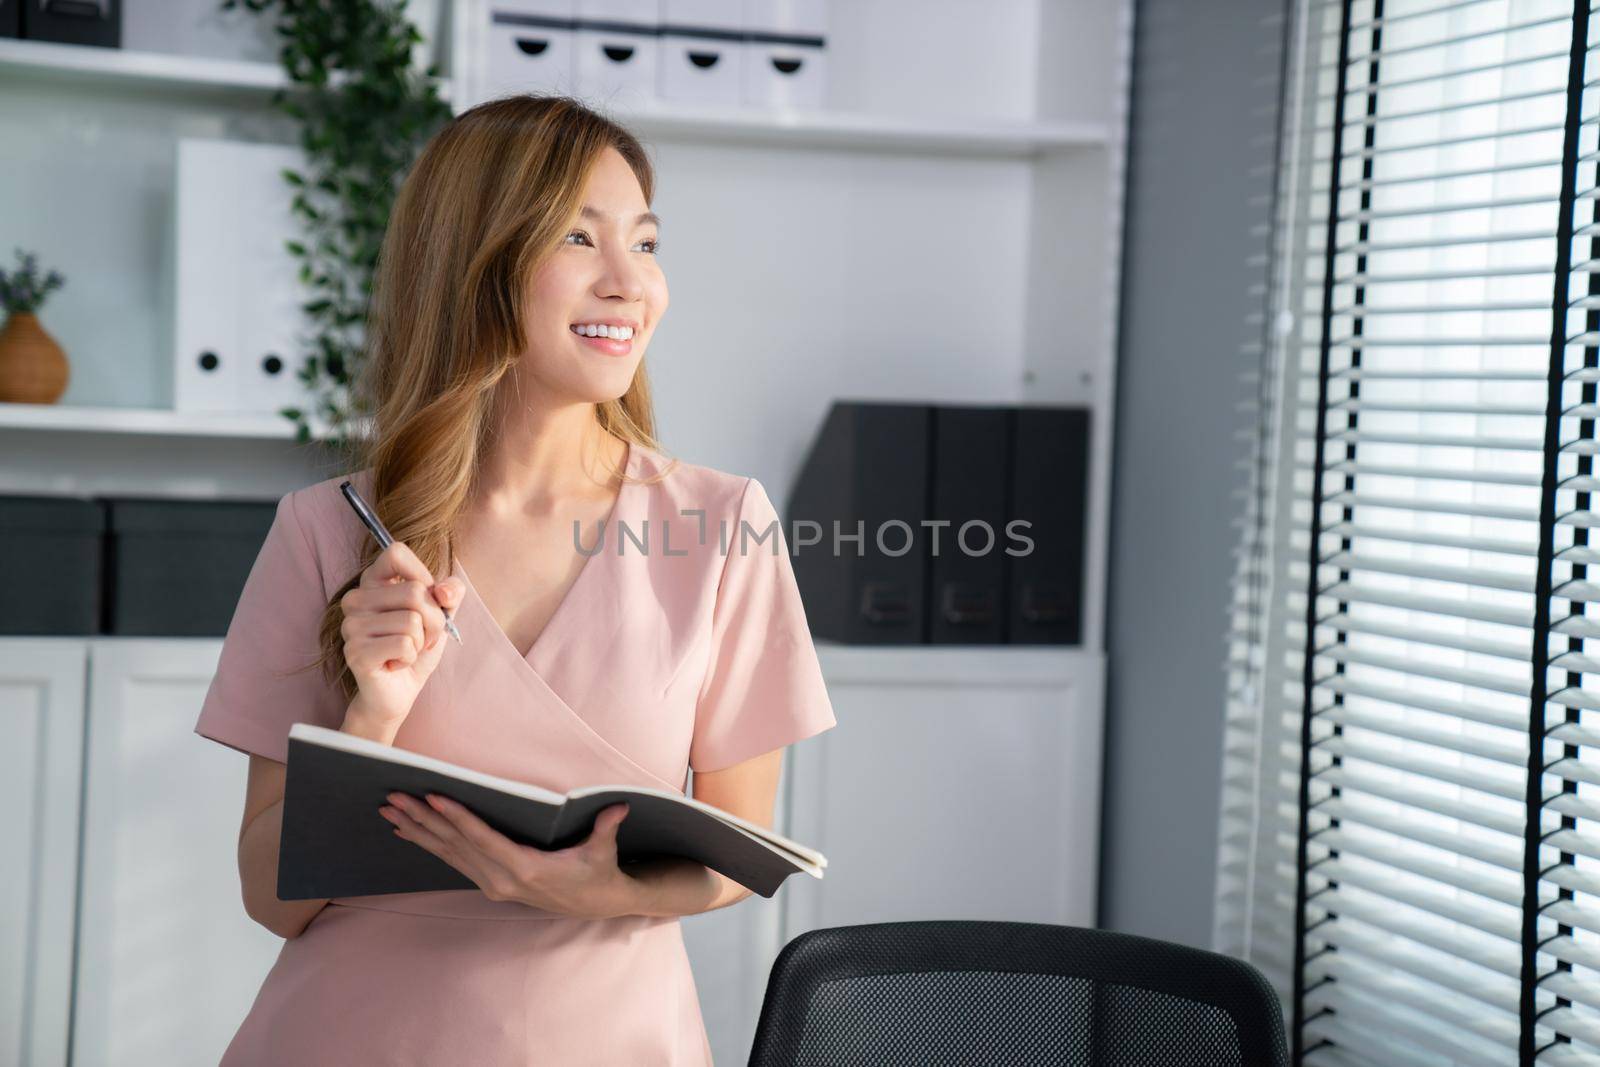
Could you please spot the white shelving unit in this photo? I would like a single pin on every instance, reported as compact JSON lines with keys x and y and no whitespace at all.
{"x":947,"y":230}
{"x":1003,"y":127}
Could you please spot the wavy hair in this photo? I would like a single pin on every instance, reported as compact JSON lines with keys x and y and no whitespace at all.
{"x":488,"y":201}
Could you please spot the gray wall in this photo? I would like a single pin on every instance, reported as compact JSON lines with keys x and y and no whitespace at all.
{"x":1203,"y":113}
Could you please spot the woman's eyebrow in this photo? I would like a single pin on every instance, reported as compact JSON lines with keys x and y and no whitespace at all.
{"x":647,"y":217}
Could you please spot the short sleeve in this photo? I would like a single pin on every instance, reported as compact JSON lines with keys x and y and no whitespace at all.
{"x":260,"y":688}
{"x":763,"y":687}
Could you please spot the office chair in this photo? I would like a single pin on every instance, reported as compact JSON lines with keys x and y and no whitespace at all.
{"x":974,"y":993}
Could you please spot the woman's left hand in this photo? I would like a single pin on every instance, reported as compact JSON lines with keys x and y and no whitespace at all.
{"x":582,"y":880}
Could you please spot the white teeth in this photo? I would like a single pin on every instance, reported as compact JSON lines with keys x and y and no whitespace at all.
{"x":616,"y":333}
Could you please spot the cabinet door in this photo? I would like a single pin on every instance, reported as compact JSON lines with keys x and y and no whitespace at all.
{"x":731,"y":952}
{"x":168,"y":962}
{"x":41,"y":720}
{"x":958,"y":785}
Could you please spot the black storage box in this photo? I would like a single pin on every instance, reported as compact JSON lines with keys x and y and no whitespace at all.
{"x":175,"y":568}
{"x":93,"y":22}
{"x":50,"y":565}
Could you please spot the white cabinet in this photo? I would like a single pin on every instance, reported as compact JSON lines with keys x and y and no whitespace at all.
{"x":730,"y":951}
{"x":960,"y":783}
{"x":122,"y":933}
{"x":41,"y":714}
{"x":168,"y":961}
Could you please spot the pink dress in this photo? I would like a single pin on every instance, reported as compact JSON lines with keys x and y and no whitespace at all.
{"x":685,"y":653}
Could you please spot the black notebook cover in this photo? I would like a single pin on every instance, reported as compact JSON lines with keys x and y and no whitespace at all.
{"x":335,"y":844}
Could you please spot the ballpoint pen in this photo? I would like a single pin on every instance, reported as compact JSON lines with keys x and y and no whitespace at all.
{"x":385,"y":539}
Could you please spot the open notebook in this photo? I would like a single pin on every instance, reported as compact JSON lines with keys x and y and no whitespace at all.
{"x":335,"y":844}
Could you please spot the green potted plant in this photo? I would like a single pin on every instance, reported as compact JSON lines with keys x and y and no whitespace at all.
{"x":33,"y":368}
{"x":364,"y":114}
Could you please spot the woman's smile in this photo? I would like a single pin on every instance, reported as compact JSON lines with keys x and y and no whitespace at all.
{"x":607,"y":345}
{"x":610,"y":339}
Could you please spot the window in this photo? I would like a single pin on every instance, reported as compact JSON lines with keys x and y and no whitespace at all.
{"x":1411,"y":818}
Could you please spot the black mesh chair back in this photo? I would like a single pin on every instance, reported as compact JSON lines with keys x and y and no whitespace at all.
{"x":974,"y":993}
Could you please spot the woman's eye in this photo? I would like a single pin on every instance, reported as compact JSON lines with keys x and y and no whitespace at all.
{"x":654,"y":243}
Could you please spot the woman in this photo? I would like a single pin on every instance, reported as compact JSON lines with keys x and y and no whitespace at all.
{"x":677,"y":644}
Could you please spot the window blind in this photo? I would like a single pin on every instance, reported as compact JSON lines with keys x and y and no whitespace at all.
{"x":1411,"y":816}
{"x":1255,"y":884}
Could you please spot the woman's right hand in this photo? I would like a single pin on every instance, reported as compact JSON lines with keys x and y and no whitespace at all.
{"x":394,"y":633}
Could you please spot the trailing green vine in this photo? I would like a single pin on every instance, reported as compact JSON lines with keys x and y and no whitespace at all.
{"x":364,"y":114}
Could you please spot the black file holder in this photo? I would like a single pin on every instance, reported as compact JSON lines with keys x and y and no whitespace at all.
{"x":1049,"y":490}
{"x":966,"y":581}
{"x":867,"y":468}
{"x":1022,"y":470}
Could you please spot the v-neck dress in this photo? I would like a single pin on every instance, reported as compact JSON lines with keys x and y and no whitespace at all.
{"x":681,"y":645}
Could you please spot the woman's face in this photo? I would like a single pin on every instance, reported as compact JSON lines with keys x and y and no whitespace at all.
{"x":604,"y":272}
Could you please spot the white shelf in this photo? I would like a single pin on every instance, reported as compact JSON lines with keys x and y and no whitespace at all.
{"x":157,"y":422}
{"x":93,"y":64}
{"x":940,"y":665}
{"x":661,"y":119}
{"x":854,"y":130}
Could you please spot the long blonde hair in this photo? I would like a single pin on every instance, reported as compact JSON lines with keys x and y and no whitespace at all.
{"x":487,"y":202}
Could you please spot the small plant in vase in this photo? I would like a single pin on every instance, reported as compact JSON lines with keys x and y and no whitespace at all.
{"x":33,"y":368}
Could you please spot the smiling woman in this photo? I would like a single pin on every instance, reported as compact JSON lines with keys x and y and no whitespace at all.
{"x":521,"y":236}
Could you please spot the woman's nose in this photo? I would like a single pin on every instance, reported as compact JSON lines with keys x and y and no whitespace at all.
{"x":623,"y":276}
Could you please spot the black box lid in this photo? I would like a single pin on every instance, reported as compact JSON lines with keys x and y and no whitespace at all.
{"x":51,"y":514}
{"x":212,"y":518}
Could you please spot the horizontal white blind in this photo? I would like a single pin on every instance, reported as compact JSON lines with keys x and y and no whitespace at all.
{"x":1255,"y":885}
{"x":1429,"y":544}
{"x":1423,"y":352}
